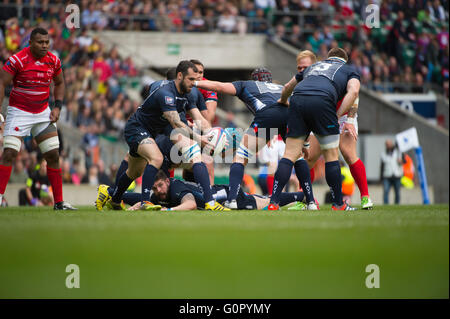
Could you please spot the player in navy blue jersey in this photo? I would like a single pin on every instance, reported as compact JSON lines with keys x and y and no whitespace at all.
{"x":163,"y":142}
{"x":176,"y":194}
{"x":162,"y":107}
{"x":313,"y":109}
{"x":260,"y":96}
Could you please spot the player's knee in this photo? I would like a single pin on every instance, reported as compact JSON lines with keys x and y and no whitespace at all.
{"x":10,"y":150}
{"x":156,"y":160}
{"x":49,"y":145}
{"x":52,"y":157}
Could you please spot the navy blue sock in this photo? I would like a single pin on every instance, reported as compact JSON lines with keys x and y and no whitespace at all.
{"x":281,"y":177}
{"x":122,"y":185}
{"x":201,"y":177}
{"x":130,"y":198}
{"x":122,"y":169}
{"x":236,"y":175}
{"x":148,"y":178}
{"x":302,"y":172}
{"x":287,"y":198}
{"x":334,"y":180}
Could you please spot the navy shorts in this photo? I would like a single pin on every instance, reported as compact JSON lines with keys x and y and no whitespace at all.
{"x":165,"y":146}
{"x":244,"y":200}
{"x":134,"y":133}
{"x":312,"y":113}
{"x":273,"y":119}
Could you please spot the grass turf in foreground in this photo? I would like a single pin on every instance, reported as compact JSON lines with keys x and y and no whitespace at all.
{"x":239,"y":254}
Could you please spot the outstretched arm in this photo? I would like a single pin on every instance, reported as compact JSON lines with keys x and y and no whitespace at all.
{"x":221,"y":87}
{"x":187,"y":203}
{"x":287,"y":91}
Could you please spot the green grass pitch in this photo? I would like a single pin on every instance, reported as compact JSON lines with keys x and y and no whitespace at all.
{"x":239,"y":254}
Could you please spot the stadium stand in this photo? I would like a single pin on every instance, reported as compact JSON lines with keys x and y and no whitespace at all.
{"x":408,"y":53}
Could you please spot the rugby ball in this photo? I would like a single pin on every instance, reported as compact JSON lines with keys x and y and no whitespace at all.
{"x":218,"y":138}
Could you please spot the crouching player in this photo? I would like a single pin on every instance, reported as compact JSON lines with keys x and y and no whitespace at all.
{"x":161,"y":108}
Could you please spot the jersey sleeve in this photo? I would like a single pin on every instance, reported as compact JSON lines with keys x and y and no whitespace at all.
{"x":201,"y":105}
{"x":177,"y":191}
{"x":239,"y":86}
{"x":166,"y":100}
{"x":353,"y":74}
{"x":210,"y":96}
{"x":58,"y":67}
{"x":11,"y":66}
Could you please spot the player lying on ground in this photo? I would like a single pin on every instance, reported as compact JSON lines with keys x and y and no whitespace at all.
{"x":162,"y":107}
{"x":312,"y":108}
{"x":31,"y":71}
{"x":347,"y":141}
{"x":260,"y":96}
{"x":173,"y":194}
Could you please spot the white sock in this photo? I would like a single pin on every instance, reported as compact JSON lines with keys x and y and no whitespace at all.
{"x":211,"y":203}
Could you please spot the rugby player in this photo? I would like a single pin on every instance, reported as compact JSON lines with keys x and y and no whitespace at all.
{"x":31,"y":71}
{"x":260,"y":96}
{"x":196,"y":101}
{"x":162,"y":107}
{"x":174,"y":194}
{"x":209,"y":96}
{"x":347,"y":142}
{"x":313,"y":109}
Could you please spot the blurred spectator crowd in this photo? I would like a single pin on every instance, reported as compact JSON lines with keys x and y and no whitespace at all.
{"x":407,"y":52}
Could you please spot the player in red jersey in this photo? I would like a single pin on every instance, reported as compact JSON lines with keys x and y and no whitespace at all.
{"x":31,"y":71}
{"x":211,"y":104}
{"x":209,"y":96}
{"x":347,"y":141}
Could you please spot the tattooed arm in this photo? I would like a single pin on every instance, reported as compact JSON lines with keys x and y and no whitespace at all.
{"x":200,"y":121}
{"x":174,"y":119}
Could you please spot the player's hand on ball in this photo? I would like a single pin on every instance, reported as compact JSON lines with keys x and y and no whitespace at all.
{"x":351,"y":129}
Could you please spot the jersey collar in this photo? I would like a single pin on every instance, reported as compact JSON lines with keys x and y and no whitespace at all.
{"x":338,"y":59}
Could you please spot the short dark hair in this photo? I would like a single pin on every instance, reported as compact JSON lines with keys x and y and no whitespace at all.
{"x":160,"y":175}
{"x":338,"y":52}
{"x":171,"y":73}
{"x":197,"y":62}
{"x":38,"y":30}
{"x":184,"y":66}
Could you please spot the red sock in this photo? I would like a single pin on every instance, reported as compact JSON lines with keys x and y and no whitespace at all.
{"x":312,"y":174}
{"x":358,"y":171}
{"x":171,"y":173}
{"x":55,"y":178}
{"x":5,"y":173}
{"x":270,"y":179}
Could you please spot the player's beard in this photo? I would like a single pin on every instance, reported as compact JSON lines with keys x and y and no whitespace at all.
{"x":184,"y":88}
